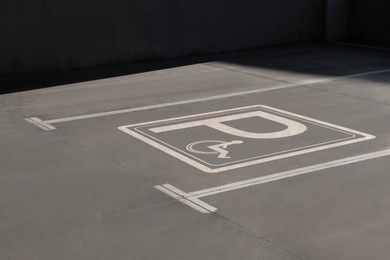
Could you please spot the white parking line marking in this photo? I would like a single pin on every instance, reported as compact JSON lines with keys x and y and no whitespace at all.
{"x":191,"y":202}
{"x":194,"y":196}
{"x":215,"y":119}
{"x":202,"y":99}
{"x":169,"y":104}
{"x":41,"y":124}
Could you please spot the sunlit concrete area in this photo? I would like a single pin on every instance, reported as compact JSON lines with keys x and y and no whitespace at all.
{"x":280,"y":153}
{"x":189,"y":130}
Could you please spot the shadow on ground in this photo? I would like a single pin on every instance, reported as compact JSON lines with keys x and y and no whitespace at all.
{"x":317,"y":59}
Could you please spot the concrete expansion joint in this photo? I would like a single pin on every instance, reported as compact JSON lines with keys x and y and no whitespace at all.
{"x":184,"y":197}
{"x":257,"y":236}
{"x":194,"y":202}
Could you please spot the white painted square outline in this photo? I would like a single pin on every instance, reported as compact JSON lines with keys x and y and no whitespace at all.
{"x":206,"y":169}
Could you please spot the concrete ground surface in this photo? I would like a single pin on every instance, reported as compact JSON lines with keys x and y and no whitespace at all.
{"x":74,"y":186}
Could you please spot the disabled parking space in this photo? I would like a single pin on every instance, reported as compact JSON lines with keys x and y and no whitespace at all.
{"x":200,"y":140}
{"x":335,"y":126}
{"x":262,"y":165}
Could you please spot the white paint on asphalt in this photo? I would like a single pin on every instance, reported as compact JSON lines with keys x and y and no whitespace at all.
{"x":142,"y":131}
{"x":41,"y":124}
{"x":187,"y":198}
{"x":216,"y":147}
{"x":293,"y":127}
{"x":181,"y":196}
{"x":202,"y":99}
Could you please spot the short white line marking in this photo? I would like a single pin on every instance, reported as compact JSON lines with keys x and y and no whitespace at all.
{"x":202,"y":99}
{"x":41,"y":124}
{"x":272,"y":177}
{"x":179,"y":195}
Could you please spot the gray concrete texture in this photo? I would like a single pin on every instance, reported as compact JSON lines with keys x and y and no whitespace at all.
{"x":40,"y":36}
{"x":86,"y":190}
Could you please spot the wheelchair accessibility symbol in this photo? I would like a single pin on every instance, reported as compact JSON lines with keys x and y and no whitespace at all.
{"x":229,"y":139}
{"x":217,"y":147}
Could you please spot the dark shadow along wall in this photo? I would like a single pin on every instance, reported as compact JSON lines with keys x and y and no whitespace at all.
{"x":44,"y":35}
{"x":370,"y":21}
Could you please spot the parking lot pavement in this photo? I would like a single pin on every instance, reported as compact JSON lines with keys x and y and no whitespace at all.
{"x":339,"y":213}
{"x":276,"y":154}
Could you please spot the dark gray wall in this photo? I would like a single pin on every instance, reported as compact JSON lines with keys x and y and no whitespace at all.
{"x":45,"y":35}
{"x":370,"y":21}
{"x":337,"y":20}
